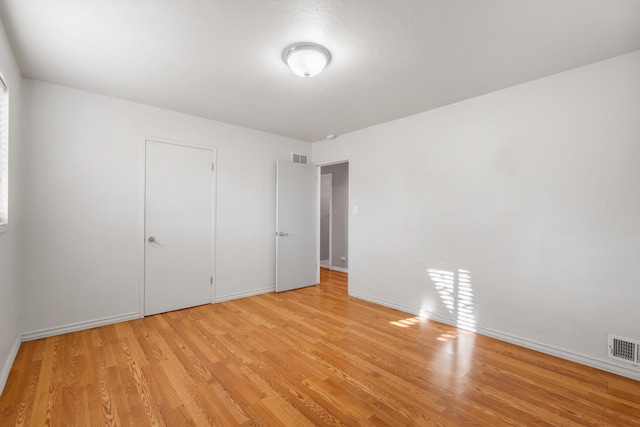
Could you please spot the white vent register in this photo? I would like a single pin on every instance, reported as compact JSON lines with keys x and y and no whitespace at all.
{"x":299,"y":158}
{"x":624,"y":349}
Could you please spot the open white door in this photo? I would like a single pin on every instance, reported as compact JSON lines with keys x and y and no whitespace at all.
{"x":178,"y":226}
{"x":296,"y":226}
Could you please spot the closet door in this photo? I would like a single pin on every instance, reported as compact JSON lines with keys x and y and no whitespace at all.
{"x":178,"y":262}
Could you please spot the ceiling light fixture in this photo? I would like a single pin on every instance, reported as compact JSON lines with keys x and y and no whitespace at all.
{"x":306,"y":59}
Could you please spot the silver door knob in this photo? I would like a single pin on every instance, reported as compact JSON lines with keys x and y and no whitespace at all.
{"x":281,"y":234}
{"x":151,"y":239}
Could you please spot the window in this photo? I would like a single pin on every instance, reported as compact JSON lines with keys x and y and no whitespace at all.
{"x":4,"y":155}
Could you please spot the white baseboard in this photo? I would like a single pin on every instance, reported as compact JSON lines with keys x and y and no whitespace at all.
{"x":382,"y":302}
{"x":73,"y":327}
{"x":238,"y":295}
{"x":604,"y":365}
{"x":325,"y":263}
{"x":6,"y":368}
{"x":343,"y":270}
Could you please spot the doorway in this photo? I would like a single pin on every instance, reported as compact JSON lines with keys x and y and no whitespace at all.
{"x":179,"y":183}
{"x":334,"y":216}
{"x":326,"y":196}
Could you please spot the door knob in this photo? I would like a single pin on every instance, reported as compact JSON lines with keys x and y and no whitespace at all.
{"x":281,"y":234}
{"x":151,"y":239}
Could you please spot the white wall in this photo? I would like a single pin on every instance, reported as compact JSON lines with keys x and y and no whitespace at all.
{"x":82,"y":219}
{"x":534,"y":190}
{"x":9,"y":240}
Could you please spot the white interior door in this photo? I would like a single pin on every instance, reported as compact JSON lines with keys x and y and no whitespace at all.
{"x":178,"y":226}
{"x":296,"y":226}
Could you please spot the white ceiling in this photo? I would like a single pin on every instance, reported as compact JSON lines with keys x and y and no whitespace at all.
{"x":221,"y":59}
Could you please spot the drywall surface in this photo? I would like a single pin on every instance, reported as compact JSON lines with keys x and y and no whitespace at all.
{"x":340,"y":213}
{"x":515,"y":213}
{"x":83,"y":205}
{"x":9,"y":237}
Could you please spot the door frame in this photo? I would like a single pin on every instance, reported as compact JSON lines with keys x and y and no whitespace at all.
{"x":349,"y":213}
{"x":330,"y":175}
{"x":142,"y":218}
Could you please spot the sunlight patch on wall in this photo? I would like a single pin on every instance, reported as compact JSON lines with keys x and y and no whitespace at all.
{"x":445,"y":286}
{"x":456,"y":292}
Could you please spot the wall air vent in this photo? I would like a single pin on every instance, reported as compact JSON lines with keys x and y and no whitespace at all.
{"x":624,"y":349}
{"x":299,"y":158}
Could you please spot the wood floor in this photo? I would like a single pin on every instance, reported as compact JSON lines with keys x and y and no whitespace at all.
{"x":308,"y":357}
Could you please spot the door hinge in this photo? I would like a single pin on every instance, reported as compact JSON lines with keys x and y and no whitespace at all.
{"x":211,"y":280}
{"x":213,"y":167}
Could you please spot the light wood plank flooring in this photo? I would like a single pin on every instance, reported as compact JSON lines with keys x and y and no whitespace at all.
{"x":307,"y":357}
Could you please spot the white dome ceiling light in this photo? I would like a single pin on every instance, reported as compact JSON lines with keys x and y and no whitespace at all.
{"x":306,"y":59}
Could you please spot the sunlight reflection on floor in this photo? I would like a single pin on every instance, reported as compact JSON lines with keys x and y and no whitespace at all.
{"x":405,"y":323}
